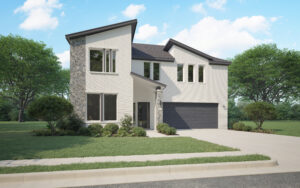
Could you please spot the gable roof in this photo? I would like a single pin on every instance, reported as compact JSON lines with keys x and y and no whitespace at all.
{"x":150,"y":52}
{"x":212,"y":60}
{"x":102,"y":29}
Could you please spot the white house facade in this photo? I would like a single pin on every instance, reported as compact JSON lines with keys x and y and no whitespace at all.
{"x":111,"y":76}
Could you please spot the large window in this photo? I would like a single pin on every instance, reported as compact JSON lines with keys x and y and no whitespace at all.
{"x":101,"y":107}
{"x":191,"y":73}
{"x":200,"y":73}
{"x":93,"y":107}
{"x":155,"y":71}
{"x":147,"y":69}
{"x":179,"y":73}
{"x":103,"y":60}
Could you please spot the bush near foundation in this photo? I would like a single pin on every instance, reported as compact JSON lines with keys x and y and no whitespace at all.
{"x":164,"y":128}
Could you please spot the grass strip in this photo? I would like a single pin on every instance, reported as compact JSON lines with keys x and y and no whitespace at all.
{"x":103,"y":165}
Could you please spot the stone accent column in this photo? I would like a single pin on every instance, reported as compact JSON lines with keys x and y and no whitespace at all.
{"x":158,"y":107}
{"x":77,"y":77}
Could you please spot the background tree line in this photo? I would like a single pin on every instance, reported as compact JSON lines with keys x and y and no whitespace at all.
{"x":28,"y":70}
{"x":268,"y":74}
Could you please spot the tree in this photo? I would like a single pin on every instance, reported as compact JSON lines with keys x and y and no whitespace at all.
{"x":50,"y":109}
{"x":265,"y":73}
{"x":259,"y":112}
{"x":61,"y":85}
{"x":27,"y":69}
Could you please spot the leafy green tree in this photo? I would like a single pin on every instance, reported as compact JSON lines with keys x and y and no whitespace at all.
{"x":27,"y":69}
{"x":50,"y":109}
{"x":61,"y":85}
{"x":265,"y":73}
{"x":259,"y":112}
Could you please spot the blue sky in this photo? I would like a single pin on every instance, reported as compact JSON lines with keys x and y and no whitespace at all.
{"x":222,"y":28}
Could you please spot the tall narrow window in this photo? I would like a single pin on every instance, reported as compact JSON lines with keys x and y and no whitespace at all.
{"x":191,"y":73}
{"x":107,"y":60}
{"x":179,"y":73}
{"x":155,"y":71}
{"x":93,"y":107}
{"x":147,"y":69}
{"x":110,"y":107}
{"x":113,"y":58}
{"x":200,"y":74}
{"x":96,"y":60}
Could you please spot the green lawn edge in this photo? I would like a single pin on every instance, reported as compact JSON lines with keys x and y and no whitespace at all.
{"x":105,"y":165}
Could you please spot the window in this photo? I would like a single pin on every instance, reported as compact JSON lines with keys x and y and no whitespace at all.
{"x":96,"y":60}
{"x":133,"y":114}
{"x":200,"y":74}
{"x":103,"y":60}
{"x":179,"y":73}
{"x":93,"y":107}
{"x":155,"y":71}
{"x":101,"y":107}
{"x":191,"y":73}
{"x":147,"y":69}
{"x":110,"y":107}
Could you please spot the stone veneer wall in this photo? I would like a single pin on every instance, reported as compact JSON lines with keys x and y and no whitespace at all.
{"x":77,"y":79}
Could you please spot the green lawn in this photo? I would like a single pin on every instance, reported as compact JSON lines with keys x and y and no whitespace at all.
{"x":290,"y":128}
{"x":85,"y":166}
{"x":16,"y":142}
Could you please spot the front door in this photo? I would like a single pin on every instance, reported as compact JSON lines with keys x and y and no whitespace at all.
{"x":144,"y":115}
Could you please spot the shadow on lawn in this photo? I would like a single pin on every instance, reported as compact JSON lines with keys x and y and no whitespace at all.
{"x":21,"y":144}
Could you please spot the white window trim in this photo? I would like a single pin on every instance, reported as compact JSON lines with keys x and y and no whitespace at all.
{"x":182,"y":72}
{"x":103,"y":60}
{"x":193,"y":73}
{"x":204,"y":73}
{"x":159,"y":65}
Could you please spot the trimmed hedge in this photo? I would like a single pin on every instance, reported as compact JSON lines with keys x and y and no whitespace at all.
{"x":165,"y":129}
{"x":138,"y":131}
{"x":95,"y":129}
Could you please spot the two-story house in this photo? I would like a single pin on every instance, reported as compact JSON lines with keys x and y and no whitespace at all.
{"x":111,"y":76}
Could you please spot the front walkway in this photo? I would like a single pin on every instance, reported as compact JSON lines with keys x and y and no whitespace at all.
{"x":154,"y":157}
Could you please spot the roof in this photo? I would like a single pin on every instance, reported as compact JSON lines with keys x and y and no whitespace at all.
{"x":150,"y":52}
{"x":102,"y":29}
{"x":212,"y":60}
{"x":147,"y":79}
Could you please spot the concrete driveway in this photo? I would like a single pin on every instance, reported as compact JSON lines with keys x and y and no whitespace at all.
{"x":285,"y":149}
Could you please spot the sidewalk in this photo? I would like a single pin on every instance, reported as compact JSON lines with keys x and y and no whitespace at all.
{"x":155,"y":157}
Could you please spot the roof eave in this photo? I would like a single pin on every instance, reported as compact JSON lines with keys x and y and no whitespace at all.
{"x":148,"y":80}
{"x":155,"y":59}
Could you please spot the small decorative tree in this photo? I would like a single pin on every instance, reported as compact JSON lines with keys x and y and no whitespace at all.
{"x":126,"y":122}
{"x":50,"y":109}
{"x":259,"y":112}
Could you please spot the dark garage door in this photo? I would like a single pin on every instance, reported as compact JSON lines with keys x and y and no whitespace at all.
{"x":191,"y":115}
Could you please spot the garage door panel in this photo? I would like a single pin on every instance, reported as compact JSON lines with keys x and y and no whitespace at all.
{"x":191,"y":115}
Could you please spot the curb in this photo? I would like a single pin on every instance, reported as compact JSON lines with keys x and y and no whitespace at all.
{"x":132,"y":171}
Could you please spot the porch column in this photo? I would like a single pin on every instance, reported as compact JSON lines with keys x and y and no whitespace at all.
{"x":158,"y":107}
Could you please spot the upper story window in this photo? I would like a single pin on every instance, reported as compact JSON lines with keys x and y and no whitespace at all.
{"x":103,"y":60}
{"x":147,"y":69}
{"x":180,"y":73}
{"x":191,"y":73}
{"x":200,"y":73}
{"x":155,"y":71}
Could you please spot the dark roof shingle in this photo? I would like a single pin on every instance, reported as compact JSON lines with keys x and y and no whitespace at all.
{"x":150,"y":52}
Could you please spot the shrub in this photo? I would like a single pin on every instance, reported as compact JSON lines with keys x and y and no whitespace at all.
{"x":138,"y":131}
{"x":95,"y":129}
{"x":161,"y":126}
{"x":71,"y":122}
{"x":42,"y":132}
{"x":83,"y":131}
{"x":50,"y":109}
{"x":126,"y":121}
{"x":232,"y":121}
{"x":65,"y":133}
{"x":239,"y":126}
{"x":165,"y":129}
{"x":124,"y":131}
{"x":259,"y":112}
{"x":111,"y":127}
{"x":247,"y":128}
{"x":106,"y":133}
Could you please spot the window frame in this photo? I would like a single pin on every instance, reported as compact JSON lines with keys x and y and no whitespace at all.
{"x":182,"y":72}
{"x":155,"y":63}
{"x":101,"y":108}
{"x":104,"y":64}
{"x":193,"y":74}
{"x":203,"y":68}
{"x":147,"y":62}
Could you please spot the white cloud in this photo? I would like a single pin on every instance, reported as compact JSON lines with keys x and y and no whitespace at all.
{"x":39,"y":14}
{"x":275,"y":18}
{"x":224,"y":38}
{"x":133,"y":10}
{"x":64,"y":58}
{"x":216,"y":4}
{"x":146,"y":31}
{"x":198,"y":8}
